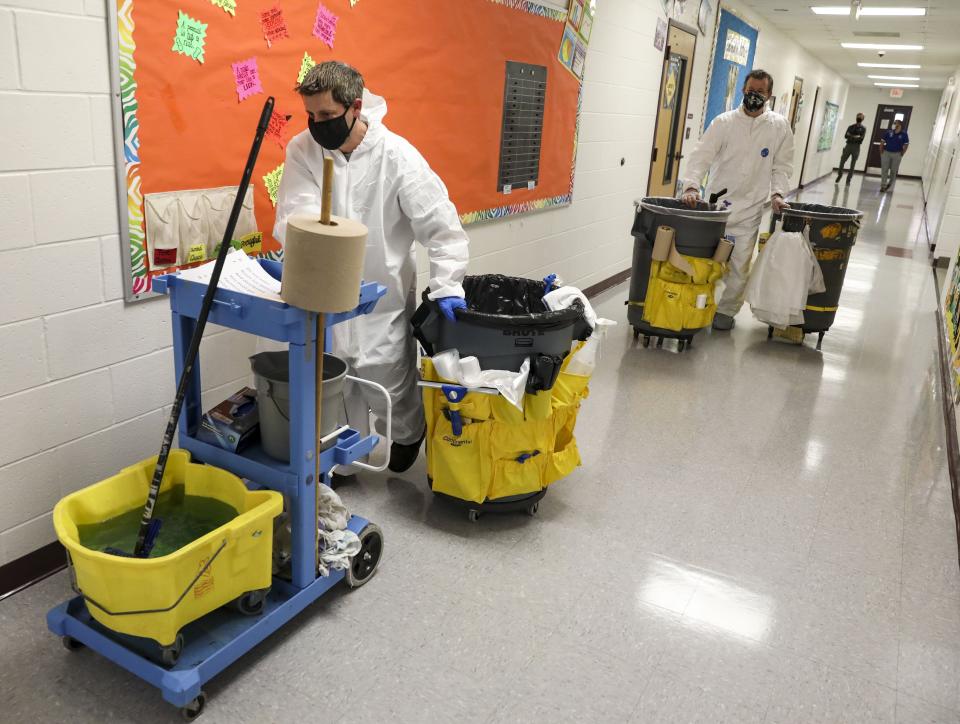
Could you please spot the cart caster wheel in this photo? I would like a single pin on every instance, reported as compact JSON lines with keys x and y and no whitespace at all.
{"x":681,"y":345}
{"x":70,"y":643}
{"x":473,"y":515}
{"x":365,"y":563}
{"x":252,"y":603}
{"x":170,"y":655}
{"x":636,"y":333}
{"x":194,"y":709}
{"x":646,"y":341}
{"x":820,"y":340}
{"x":659,"y":342}
{"x":532,"y":509}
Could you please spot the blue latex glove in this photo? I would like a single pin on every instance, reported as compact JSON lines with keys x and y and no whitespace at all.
{"x":448,"y":304}
{"x":548,"y":282}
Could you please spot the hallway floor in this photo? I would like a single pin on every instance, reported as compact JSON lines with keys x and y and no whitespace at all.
{"x":759,"y":533}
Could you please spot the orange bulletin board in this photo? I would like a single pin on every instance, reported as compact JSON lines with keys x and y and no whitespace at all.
{"x":439,"y":64}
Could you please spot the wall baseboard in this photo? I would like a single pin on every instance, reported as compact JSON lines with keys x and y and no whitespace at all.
{"x":31,"y":568}
{"x":600,"y":287}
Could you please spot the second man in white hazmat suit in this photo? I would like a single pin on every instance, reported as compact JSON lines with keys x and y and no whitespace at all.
{"x":381,"y":180}
{"x":749,"y":152}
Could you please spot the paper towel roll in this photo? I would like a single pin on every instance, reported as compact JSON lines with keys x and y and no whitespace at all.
{"x":323,"y":264}
{"x":662,"y":243}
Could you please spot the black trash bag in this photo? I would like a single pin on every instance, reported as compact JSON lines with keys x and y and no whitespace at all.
{"x":505,"y":322}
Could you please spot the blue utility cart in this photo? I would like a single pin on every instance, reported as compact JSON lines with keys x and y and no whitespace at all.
{"x":212,"y":643}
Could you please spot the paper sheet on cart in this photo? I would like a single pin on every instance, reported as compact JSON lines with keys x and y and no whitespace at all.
{"x":241,"y":273}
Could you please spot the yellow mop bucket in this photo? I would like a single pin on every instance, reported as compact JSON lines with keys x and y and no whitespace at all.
{"x":156,"y":597}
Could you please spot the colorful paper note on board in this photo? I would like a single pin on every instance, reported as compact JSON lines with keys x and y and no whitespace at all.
{"x":198,"y":252}
{"x":190,"y":37}
{"x":305,"y":65}
{"x":575,"y":14}
{"x":274,"y":25}
{"x":247,"y":78}
{"x":278,"y":124}
{"x":579,"y":59}
{"x":228,"y":6}
{"x":568,"y":47}
{"x":272,"y":182}
{"x":586,"y":25}
{"x":325,"y":26}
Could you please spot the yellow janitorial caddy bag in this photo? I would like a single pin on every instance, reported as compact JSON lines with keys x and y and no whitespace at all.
{"x":501,"y":451}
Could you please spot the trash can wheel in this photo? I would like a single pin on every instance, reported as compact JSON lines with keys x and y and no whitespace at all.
{"x":681,"y":345}
{"x":646,"y":340}
{"x":820,"y":339}
{"x":195,"y":708}
{"x":636,"y":332}
{"x":659,"y":342}
{"x":532,"y":509}
{"x":473,"y":515}
{"x":769,"y":332}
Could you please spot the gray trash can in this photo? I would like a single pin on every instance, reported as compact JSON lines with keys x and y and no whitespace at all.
{"x":505,"y":322}
{"x":271,"y":373}
{"x":832,"y":231}
{"x":697,"y":232}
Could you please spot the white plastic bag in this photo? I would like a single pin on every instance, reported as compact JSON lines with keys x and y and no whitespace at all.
{"x":785,"y":274}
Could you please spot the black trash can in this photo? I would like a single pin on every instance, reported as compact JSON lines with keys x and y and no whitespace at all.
{"x":697,"y":233}
{"x":505,"y":322}
{"x":832,"y":231}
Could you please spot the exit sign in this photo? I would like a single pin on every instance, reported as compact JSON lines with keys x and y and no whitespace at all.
{"x":896,"y":92}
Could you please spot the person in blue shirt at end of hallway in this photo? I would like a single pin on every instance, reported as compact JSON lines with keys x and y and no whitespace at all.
{"x":893,"y":147}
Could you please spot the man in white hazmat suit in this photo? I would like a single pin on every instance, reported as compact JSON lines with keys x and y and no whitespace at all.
{"x":749,"y":152}
{"x":384,"y":182}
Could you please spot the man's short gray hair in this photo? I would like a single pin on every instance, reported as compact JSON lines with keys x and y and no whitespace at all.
{"x":343,"y":81}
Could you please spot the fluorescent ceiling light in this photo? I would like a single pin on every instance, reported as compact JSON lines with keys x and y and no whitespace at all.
{"x":889,"y":65}
{"x":898,"y":85}
{"x":893,"y":11}
{"x":879,"y":46}
{"x":893,"y":77}
{"x":845,"y":10}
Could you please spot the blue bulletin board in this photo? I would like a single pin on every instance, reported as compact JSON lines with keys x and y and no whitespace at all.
{"x":733,"y":53}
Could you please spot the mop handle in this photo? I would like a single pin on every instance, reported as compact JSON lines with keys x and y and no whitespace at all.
{"x":326,"y":197}
{"x":191,"y":356}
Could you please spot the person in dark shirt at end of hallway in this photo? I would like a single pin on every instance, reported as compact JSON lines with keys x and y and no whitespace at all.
{"x":854,"y":135}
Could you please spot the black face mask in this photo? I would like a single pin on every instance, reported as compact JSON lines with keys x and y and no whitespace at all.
{"x":753,"y":101}
{"x":333,"y":133}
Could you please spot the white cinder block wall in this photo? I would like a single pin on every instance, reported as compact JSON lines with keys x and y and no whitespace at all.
{"x":84,"y":378}
{"x":941,"y":177}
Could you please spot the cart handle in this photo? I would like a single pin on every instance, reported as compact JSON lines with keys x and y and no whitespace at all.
{"x":389,"y":436}
{"x":440,"y":386}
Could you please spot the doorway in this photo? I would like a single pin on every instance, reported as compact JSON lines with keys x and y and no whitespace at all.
{"x":796,"y":101}
{"x":886,"y":115}
{"x":806,"y":146}
{"x":668,"y":135}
